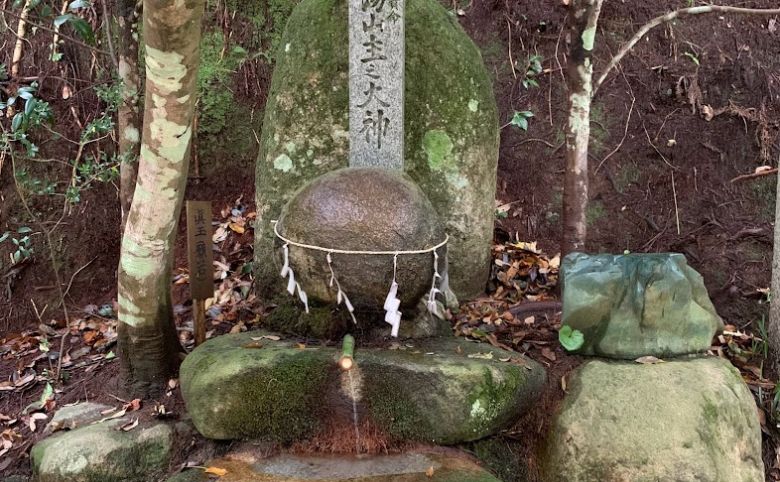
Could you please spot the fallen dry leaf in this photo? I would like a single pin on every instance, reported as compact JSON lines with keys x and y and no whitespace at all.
{"x":648,"y":360}
{"x":430,"y":471}
{"x":218,"y":471}
{"x":129,"y":425}
{"x":35,"y":417}
{"x":548,"y":353}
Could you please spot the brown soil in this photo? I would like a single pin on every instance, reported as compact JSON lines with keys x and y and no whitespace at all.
{"x":664,"y":186}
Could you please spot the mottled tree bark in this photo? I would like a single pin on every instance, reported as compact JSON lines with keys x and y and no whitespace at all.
{"x":129,"y":115}
{"x":149,"y":348}
{"x":584,"y":20}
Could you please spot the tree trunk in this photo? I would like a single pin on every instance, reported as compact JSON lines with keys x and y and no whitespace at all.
{"x":129,"y":116}
{"x":149,"y":348}
{"x":774,"y":304}
{"x":580,"y":71}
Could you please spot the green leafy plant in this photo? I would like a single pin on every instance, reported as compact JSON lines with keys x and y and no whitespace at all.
{"x":570,"y":338}
{"x":23,"y":244}
{"x":520,"y":119}
{"x":533,"y":68}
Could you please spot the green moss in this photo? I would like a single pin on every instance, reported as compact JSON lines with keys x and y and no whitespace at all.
{"x":627,"y":174}
{"x":599,"y":129}
{"x":764,"y":191}
{"x":321,"y":322}
{"x":391,"y":410}
{"x":489,"y":399}
{"x":225,"y":126}
{"x":438,"y":146}
{"x":594,"y":212}
{"x":284,"y":412}
{"x":501,"y":456}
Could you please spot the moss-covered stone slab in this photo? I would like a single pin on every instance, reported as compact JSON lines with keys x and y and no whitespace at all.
{"x":451,"y":128}
{"x":102,"y":452}
{"x":410,"y":467}
{"x":634,"y":305}
{"x":443,"y":391}
{"x":684,"y":421}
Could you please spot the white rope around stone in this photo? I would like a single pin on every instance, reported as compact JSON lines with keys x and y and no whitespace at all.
{"x":347,"y":251}
{"x":392,"y":301}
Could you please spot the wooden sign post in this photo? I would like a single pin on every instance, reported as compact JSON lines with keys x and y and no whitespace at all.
{"x":201,"y":259}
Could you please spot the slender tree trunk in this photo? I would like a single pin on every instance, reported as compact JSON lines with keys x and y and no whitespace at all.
{"x":774,"y":304}
{"x":584,"y":21}
{"x":16,"y":58}
{"x":129,"y":116}
{"x":149,"y":348}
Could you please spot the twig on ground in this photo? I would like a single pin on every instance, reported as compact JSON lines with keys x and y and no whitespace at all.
{"x":70,"y":283}
{"x":511,"y":60}
{"x":753,"y":175}
{"x":676,"y":210}
{"x":625,"y":133}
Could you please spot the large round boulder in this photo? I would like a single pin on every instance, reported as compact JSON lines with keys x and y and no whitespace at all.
{"x":684,"y":421}
{"x":451,"y":128}
{"x":362,"y":209}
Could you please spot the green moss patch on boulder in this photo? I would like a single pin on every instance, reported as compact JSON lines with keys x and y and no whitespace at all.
{"x":101,"y":452}
{"x":634,"y":305}
{"x":451,"y":137}
{"x":441,"y":391}
{"x":687,"y":420}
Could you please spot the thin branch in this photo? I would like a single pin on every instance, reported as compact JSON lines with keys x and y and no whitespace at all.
{"x":70,"y":283}
{"x":51,"y":30}
{"x":668,"y":17}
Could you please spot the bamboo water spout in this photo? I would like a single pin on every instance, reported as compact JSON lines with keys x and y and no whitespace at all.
{"x":346,"y":362}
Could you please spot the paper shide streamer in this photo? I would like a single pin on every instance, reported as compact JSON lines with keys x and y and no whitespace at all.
{"x":439,"y":283}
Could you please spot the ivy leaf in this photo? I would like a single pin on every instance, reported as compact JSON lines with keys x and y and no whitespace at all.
{"x":24,"y":229}
{"x":570,"y":338}
{"x":520,"y":119}
{"x":4,"y":236}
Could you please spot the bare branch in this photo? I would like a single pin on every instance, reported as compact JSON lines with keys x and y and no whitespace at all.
{"x":669,"y":17}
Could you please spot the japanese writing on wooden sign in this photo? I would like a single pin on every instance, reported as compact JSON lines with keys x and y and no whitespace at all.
{"x":376,"y":83}
{"x":199,"y":244}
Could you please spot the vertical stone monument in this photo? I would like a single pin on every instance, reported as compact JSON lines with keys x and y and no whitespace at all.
{"x":376,"y":83}
{"x":450,"y":136}
{"x":367,"y":236}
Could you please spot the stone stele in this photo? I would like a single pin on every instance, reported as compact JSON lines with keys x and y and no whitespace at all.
{"x":362,"y":209}
{"x":633,"y":305}
{"x":451,"y":129}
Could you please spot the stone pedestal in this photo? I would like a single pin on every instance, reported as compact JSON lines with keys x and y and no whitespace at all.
{"x":443,"y":391}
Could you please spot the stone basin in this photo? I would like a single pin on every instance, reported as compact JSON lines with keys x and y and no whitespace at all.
{"x":411,"y":467}
{"x":442,"y":391}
